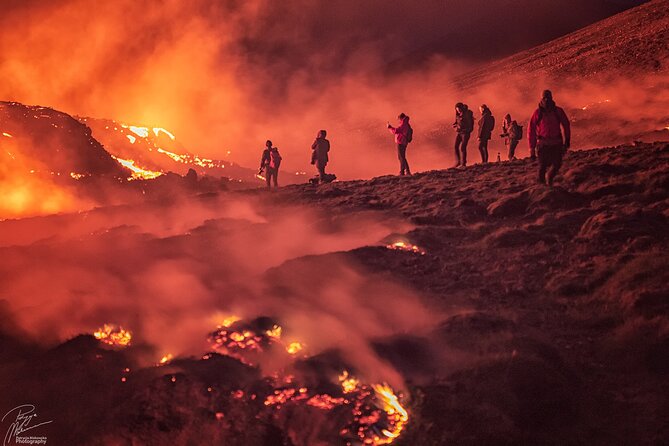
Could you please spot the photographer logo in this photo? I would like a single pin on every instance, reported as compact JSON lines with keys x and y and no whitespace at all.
{"x":20,"y":420}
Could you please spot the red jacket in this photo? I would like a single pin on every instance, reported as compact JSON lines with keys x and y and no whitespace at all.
{"x":545,"y":127}
{"x":401,"y":132}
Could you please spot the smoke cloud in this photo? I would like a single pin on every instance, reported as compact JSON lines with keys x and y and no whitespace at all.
{"x":227,"y":76}
{"x":172,"y":279}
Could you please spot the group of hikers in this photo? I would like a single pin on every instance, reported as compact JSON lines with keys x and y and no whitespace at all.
{"x":545,"y":134}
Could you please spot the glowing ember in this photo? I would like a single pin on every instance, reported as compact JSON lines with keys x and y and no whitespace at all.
{"x":131,"y":138}
{"x":275,"y":332}
{"x":325,"y":402}
{"x":77,"y":176}
{"x":294,"y":348}
{"x":260,"y":177}
{"x":404,"y":246}
{"x":113,"y":335}
{"x":228,"y":321}
{"x":282,"y":396}
{"x":137,"y":172}
{"x":167,"y":358}
{"x":348,"y":383}
{"x":237,"y":343}
{"x":7,"y":135}
{"x":376,"y":416}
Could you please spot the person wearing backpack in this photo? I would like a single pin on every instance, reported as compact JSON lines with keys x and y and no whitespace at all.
{"x":319,"y":155}
{"x":269,"y":163}
{"x":486,"y":126}
{"x":403,"y":136}
{"x":546,"y":138}
{"x":513,"y":133}
{"x":464,"y":126}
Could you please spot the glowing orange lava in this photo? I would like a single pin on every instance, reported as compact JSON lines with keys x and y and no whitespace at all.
{"x":112,"y":334}
{"x":137,"y":172}
{"x":405,"y":246}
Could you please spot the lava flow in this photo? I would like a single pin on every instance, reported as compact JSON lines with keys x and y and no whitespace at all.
{"x":375,"y":414}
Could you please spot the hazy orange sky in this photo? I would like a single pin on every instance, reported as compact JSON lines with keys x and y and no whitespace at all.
{"x":228,"y":75}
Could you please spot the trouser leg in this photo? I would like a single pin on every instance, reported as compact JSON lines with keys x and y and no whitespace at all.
{"x":556,"y":163}
{"x":321,"y":171}
{"x":463,"y":148}
{"x":544,"y":163}
{"x":402,"y":156}
{"x":276,"y":178}
{"x":458,"y":143}
{"x":512,"y":148}
{"x":483,"y":149}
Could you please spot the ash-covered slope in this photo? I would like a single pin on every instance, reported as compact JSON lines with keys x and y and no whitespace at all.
{"x":523,"y":315}
{"x":632,"y":42}
{"x":568,"y":340}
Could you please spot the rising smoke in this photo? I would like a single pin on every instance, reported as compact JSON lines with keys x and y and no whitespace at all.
{"x":228,"y":75}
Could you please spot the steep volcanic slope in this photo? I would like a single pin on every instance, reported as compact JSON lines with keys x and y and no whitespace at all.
{"x":634,"y":41}
{"x":611,"y":77}
{"x":44,"y":138}
{"x":568,"y":341}
{"x":51,"y":162}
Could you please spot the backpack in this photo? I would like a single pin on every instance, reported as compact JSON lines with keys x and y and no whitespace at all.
{"x":410,"y":134}
{"x":470,"y":121}
{"x":274,"y":159}
{"x":516,"y":131}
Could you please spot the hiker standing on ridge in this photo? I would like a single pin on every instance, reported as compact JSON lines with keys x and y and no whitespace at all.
{"x":545,"y":136}
{"x":464,"y":126}
{"x":513,"y":134}
{"x":486,"y":126}
{"x":270,"y":162}
{"x":403,"y":136}
{"x":319,"y":154}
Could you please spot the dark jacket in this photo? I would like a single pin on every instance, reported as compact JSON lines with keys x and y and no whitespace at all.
{"x":464,"y":122}
{"x":545,"y":125}
{"x":321,"y":147}
{"x":270,"y":158}
{"x":508,"y":132}
{"x":486,"y":125}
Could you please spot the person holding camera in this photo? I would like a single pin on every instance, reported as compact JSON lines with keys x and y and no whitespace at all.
{"x":403,"y":136}
{"x":269,"y":163}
